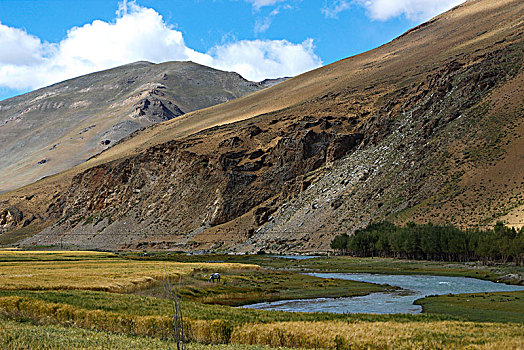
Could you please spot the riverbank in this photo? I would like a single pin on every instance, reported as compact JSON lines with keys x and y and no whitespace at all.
{"x":509,"y":274}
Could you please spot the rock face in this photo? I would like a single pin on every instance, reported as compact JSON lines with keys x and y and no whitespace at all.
{"x":155,"y":189}
{"x":419,"y":129}
{"x":10,"y":217}
{"x":62,"y":125}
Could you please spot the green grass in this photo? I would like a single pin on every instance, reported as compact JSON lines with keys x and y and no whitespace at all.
{"x":135,"y":305}
{"x":478,"y":307}
{"x":241,"y":287}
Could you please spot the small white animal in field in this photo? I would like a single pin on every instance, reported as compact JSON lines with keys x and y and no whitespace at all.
{"x":214,"y":277}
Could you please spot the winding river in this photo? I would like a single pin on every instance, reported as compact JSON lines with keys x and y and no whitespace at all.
{"x":413,"y":287}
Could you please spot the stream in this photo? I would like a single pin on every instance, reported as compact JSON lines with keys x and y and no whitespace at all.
{"x":413,"y":287}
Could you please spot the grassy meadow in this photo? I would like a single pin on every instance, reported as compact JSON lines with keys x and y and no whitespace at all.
{"x":94,"y":300}
{"x":90,"y":271}
{"x":493,"y":307}
{"x":348,"y":264}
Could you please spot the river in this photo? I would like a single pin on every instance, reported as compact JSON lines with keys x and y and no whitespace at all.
{"x":413,"y":287}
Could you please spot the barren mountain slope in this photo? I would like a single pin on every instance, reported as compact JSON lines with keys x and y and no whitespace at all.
{"x":427,"y":127}
{"x":55,"y":128}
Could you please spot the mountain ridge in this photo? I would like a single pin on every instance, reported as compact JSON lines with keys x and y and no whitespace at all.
{"x":409,"y":131}
{"x":80,"y":117}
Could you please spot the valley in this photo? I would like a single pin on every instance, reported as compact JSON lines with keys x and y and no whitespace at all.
{"x":376,"y":202}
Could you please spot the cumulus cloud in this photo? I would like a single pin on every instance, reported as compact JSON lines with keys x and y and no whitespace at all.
{"x":261,"y":59}
{"x":382,"y":10}
{"x":18,"y":46}
{"x":138,"y":33}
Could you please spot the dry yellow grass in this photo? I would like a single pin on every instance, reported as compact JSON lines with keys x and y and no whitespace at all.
{"x":384,"y":335}
{"x":14,"y":253}
{"x":41,"y":270}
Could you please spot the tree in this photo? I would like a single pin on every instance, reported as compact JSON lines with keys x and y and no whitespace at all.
{"x":340,"y":243}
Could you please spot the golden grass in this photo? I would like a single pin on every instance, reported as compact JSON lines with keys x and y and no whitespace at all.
{"x":384,"y":335}
{"x":15,"y":253}
{"x":16,"y":336}
{"x":91,"y":271}
{"x":21,"y":253}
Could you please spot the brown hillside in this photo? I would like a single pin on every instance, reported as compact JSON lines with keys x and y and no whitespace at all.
{"x":427,"y":127}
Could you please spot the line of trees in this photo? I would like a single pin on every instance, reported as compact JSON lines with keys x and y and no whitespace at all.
{"x":434,"y":242}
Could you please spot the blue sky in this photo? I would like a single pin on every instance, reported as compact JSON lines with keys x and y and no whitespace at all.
{"x":46,"y":41}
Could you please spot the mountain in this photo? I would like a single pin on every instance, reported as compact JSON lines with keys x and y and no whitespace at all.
{"x":428,"y":127}
{"x":55,"y":128}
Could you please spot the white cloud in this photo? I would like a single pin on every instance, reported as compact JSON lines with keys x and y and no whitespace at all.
{"x":138,"y":33}
{"x":261,"y":3}
{"x":263,"y":24}
{"x":336,"y":6}
{"x":261,"y":59}
{"x":382,"y":10}
{"x":18,"y":46}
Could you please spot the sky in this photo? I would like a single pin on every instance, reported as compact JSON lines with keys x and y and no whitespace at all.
{"x":43,"y":42}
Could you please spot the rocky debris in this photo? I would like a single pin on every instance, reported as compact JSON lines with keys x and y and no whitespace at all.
{"x":87,"y":129}
{"x":10,"y":217}
{"x":28,"y":221}
{"x":261,"y":215}
{"x":387,"y":173}
{"x":228,"y":184}
{"x":252,"y":131}
{"x":256,"y":154}
{"x":337,"y":202}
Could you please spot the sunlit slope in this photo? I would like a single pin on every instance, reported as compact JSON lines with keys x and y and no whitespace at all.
{"x":441,"y":38}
